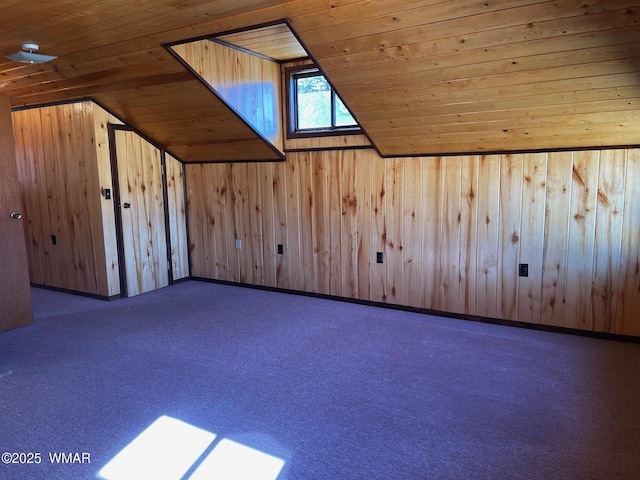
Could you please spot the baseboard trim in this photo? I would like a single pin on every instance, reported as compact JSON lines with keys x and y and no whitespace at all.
{"x":76,"y":292}
{"x":440,"y":313}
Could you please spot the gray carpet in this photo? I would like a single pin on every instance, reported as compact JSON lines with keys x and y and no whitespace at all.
{"x":337,"y":390}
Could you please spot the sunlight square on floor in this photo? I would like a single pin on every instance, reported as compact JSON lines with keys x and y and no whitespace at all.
{"x":169,"y":449}
{"x":165,"y":450}
{"x":231,"y":460}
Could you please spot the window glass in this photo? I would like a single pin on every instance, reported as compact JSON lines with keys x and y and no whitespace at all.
{"x":315,"y":108}
{"x":343,"y":117}
{"x":314,"y":102}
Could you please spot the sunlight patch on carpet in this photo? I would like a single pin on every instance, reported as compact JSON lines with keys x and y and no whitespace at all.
{"x":169,"y":449}
{"x":166,"y":450}
{"x":232,"y":460}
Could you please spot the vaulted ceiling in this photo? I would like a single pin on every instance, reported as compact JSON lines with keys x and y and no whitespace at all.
{"x":422,"y":77}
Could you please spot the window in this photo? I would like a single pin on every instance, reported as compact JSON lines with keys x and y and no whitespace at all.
{"x":315,"y":108}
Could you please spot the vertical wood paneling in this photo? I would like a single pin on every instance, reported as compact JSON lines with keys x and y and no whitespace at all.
{"x":629,"y":288}
{"x":217,"y":223}
{"x":249,"y":84}
{"x":230,"y":220}
{"x":432,"y":211}
{"x":488,"y":236}
{"x":468,"y":234}
{"x":413,"y":233}
{"x":556,"y":231}
{"x":61,"y":187}
{"x":334,"y":194}
{"x":349,"y":224}
{"x":294,"y":252}
{"x":101,"y":121}
{"x":29,"y":152}
{"x":241,"y":186}
{"x":449,"y":219}
{"x":202,"y":237}
{"x":608,"y":241}
{"x":509,"y":227}
{"x":143,"y":224}
{"x":447,"y":226}
{"x":321,"y":218}
{"x":534,"y":190}
{"x":177,"y":219}
{"x":59,"y":210}
{"x":268,"y":218}
{"x":365,"y":251}
{"x":280,"y":223}
{"x":255,"y":235}
{"x":309,"y":255}
{"x":88,"y":191}
{"x":394,"y":176}
{"x":378,"y":229}
{"x":582,"y":224}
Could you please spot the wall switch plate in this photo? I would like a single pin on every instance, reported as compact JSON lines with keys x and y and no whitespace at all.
{"x":107,"y":194}
{"x":280,"y":249}
{"x":523,"y":270}
{"x":238,"y":244}
{"x":379,"y":257}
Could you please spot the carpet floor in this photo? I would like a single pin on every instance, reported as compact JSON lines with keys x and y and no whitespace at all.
{"x":337,"y":390}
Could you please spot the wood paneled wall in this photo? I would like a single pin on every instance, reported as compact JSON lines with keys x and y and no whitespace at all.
{"x":60,"y":188}
{"x":64,"y":169}
{"x":102,"y":119}
{"x":176,"y":205}
{"x":248,"y":83}
{"x":453,"y":231}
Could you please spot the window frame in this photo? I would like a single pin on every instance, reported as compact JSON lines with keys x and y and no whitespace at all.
{"x":304,"y":71}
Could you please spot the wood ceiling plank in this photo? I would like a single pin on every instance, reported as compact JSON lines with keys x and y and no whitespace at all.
{"x":524,"y":115}
{"x":403,"y":99}
{"x":516,"y":139}
{"x":418,"y":74}
{"x":177,"y":113}
{"x":250,"y":152}
{"x":476,"y":125}
{"x":427,"y":28}
{"x":159,"y":71}
{"x":274,"y":41}
{"x":491,"y":104}
{"x":79,"y":91}
{"x":206,"y":121}
{"x":573,"y":33}
{"x":453,"y":57}
{"x":341,"y":26}
{"x":509,"y":79}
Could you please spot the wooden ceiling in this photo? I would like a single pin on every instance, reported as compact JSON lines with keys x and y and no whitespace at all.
{"x":422,"y":77}
{"x":276,"y":42}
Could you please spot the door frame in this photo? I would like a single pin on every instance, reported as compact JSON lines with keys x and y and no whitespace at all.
{"x":113,"y":155}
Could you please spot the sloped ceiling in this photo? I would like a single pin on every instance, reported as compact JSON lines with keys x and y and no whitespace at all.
{"x":422,"y":77}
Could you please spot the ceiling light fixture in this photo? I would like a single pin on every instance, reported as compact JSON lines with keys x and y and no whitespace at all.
{"x":27,"y":56}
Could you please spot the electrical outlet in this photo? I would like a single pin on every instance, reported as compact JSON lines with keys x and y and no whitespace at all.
{"x":280,"y":249}
{"x":238,"y":244}
{"x":523,"y":270}
{"x":379,"y":257}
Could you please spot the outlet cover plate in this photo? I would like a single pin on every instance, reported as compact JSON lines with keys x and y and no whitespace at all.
{"x":523,"y":270}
